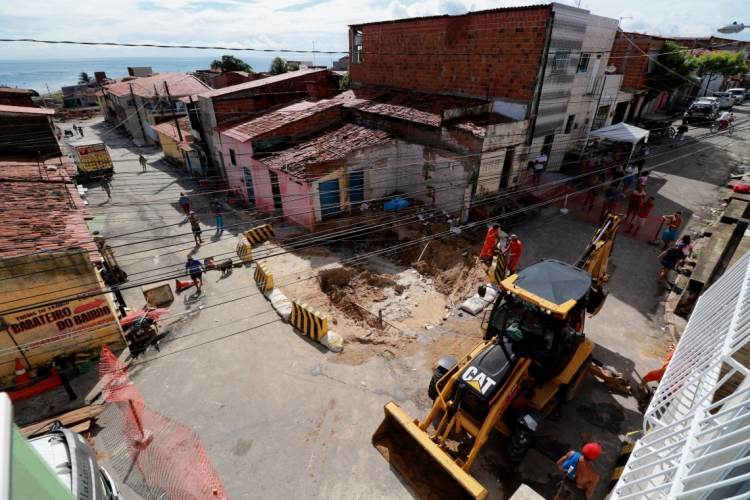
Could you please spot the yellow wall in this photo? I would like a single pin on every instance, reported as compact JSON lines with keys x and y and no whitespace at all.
{"x":170,"y":148}
{"x":52,"y":305}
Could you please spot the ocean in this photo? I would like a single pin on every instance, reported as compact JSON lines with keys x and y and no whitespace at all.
{"x":37,"y":74}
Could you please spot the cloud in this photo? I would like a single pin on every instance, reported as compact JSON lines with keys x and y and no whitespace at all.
{"x":398,"y":10}
{"x":453,"y":7}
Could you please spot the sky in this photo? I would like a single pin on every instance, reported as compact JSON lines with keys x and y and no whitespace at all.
{"x":289,"y":24}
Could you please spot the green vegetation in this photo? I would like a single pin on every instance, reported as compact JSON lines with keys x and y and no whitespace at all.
{"x":345,"y":81}
{"x":278,"y":66}
{"x":231,"y":63}
{"x":84,"y":77}
{"x":293,"y":66}
{"x":721,"y":64}
{"x":673,"y":69}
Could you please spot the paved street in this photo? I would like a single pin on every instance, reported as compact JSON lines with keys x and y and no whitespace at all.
{"x":242,"y":379}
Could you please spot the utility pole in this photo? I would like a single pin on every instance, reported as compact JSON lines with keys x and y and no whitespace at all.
{"x":314,"y":52}
{"x":137,"y":113}
{"x":171,"y":107}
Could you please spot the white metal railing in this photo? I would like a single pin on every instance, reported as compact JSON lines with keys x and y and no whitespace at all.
{"x":696,"y":443}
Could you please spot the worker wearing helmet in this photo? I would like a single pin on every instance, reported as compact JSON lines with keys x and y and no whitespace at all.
{"x":579,"y":476}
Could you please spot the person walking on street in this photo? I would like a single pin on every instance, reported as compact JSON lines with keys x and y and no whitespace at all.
{"x":195,"y":269}
{"x":185,"y":204}
{"x":218,"y":218}
{"x":539,"y":165}
{"x":80,"y":131}
{"x":514,"y":250}
{"x":671,"y":258}
{"x":610,"y":201}
{"x":640,"y":217}
{"x":674,"y":223}
{"x":629,"y":177}
{"x":194,"y":221}
{"x":681,"y":130}
{"x":634,"y":202}
{"x":490,"y":242}
{"x":142,"y":161}
{"x":579,"y":476}
{"x":106,"y":185}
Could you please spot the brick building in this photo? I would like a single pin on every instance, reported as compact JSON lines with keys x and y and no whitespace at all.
{"x":17,"y":97}
{"x":27,"y":131}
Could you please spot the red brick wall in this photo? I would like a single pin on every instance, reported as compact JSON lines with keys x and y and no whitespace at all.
{"x":234,"y":107}
{"x":495,"y":52}
{"x":299,"y":129}
{"x":630,"y":60}
{"x":318,"y":91}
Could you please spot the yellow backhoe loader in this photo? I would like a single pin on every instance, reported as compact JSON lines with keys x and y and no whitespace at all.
{"x":534,"y":355}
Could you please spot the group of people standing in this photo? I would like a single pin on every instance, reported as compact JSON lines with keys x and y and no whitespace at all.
{"x":195,"y":221}
{"x":512,"y":250}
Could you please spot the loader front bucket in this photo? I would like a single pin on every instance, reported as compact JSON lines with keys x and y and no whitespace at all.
{"x":429,"y":470}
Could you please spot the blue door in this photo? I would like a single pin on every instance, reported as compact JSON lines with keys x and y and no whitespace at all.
{"x":330,"y":202}
{"x":249,"y":185}
{"x":357,"y":187}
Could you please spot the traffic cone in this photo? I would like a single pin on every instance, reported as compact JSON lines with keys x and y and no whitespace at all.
{"x":22,"y":378}
{"x":182,"y":285}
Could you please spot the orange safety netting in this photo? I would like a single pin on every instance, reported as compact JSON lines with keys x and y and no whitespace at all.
{"x":166,"y":454}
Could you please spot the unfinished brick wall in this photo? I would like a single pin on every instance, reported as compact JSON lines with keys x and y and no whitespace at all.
{"x":629,"y":56}
{"x":318,"y":91}
{"x":495,"y":53}
{"x":233,"y":108}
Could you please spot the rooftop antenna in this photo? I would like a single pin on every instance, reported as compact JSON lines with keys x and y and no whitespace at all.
{"x":314,"y":52}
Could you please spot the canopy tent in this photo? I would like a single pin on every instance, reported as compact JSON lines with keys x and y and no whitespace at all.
{"x":622,"y":132}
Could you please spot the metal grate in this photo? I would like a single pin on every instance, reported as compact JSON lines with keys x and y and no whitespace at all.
{"x":697,"y":444}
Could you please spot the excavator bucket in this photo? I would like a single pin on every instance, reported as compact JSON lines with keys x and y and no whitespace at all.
{"x":430,"y":471}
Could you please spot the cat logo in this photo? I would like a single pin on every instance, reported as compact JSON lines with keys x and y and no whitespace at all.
{"x":478,"y":380}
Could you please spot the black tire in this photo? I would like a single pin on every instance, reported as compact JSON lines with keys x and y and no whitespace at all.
{"x":432,"y":389}
{"x":730,"y":130}
{"x":519,"y":445}
{"x":567,"y":392}
{"x":714,"y":128}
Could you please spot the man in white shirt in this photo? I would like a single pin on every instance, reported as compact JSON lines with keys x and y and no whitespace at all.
{"x":541,"y":161}
{"x":724,"y":119}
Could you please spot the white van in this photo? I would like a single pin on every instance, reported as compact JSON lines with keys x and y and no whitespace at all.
{"x":725,"y":99}
{"x":739,"y":95}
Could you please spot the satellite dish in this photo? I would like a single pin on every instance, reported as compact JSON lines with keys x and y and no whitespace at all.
{"x":611,"y":69}
{"x":731,"y":28}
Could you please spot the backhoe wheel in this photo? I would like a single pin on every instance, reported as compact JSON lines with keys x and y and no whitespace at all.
{"x":568,"y":391}
{"x":432,"y":389}
{"x":520,"y":442}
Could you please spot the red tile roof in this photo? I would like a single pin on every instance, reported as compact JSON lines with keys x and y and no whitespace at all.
{"x":179,"y":85}
{"x":478,"y":125}
{"x":24,"y":110}
{"x":41,"y":216}
{"x":248,"y":129}
{"x":168,"y":128}
{"x":410,"y":106}
{"x":23,"y":168}
{"x":333,"y":143}
{"x":11,"y":92}
{"x":260,"y":83}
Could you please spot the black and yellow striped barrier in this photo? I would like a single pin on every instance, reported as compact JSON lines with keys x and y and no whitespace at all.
{"x":312,"y":323}
{"x":263,"y":277}
{"x":244,"y":249}
{"x":259,"y":234}
{"x":497,"y":271}
{"x":622,"y":460}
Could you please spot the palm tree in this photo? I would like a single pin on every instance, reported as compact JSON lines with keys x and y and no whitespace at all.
{"x":278,"y":66}
{"x":84,"y":77}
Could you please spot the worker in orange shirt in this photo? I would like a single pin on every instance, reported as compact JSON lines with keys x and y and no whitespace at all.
{"x":513,"y":250}
{"x":489,"y":243}
{"x":656,"y":375}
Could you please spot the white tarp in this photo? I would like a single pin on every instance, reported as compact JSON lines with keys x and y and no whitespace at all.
{"x":622,"y":132}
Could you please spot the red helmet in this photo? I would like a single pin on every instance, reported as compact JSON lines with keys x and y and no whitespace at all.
{"x":592,"y":450}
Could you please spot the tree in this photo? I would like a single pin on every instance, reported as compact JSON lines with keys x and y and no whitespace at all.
{"x":84,"y":77}
{"x":293,"y":66}
{"x":278,"y":66}
{"x":345,"y":81}
{"x":718,"y":64}
{"x":231,"y":63}
{"x":673,"y":68}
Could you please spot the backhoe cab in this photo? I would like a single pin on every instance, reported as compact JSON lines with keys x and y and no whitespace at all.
{"x":534,"y":355}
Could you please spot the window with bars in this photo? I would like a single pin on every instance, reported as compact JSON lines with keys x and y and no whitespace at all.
{"x":561,"y":62}
{"x":583,"y":64}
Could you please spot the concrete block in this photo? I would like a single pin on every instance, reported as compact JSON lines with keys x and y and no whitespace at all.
{"x":157,"y":294}
{"x":526,"y":493}
{"x":332,"y":341}
{"x":280,"y":303}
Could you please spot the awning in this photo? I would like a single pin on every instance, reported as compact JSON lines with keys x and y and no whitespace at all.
{"x":621,"y":132}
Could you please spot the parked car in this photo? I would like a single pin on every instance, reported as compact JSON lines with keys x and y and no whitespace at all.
{"x":739,"y":95}
{"x":726,"y":100}
{"x":704,"y":110}
{"x":74,"y":462}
